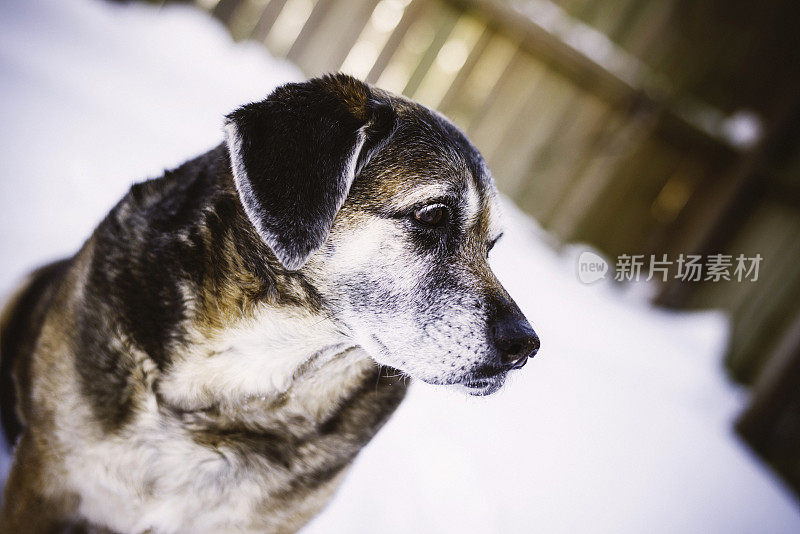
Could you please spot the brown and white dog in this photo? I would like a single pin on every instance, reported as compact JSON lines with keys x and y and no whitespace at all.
{"x":234,"y":332}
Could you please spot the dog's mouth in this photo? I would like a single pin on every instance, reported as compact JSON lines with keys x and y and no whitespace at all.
{"x":484,"y":381}
{"x":476,"y":384}
{"x":481,"y":387}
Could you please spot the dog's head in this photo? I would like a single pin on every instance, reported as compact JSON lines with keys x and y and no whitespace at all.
{"x":389,"y":212}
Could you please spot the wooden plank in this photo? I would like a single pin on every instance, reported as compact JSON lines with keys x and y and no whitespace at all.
{"x":373,"y":38}
{"x":444,"y":26}
{"x":346,"y":24}
{"x":621,"y":216}
{"x":777,"y":385}
{"x":468,"y":104}
{"x":594,"y":121}
{"x":225,"y":9}
{"x":244,"y":19}
{"x":628,"y":20}
{"x":553,"y":168}
{"x":647,"y":31}
{"x":349,"y":36}
{"x":764,"y":233}
{"x":267,"y":19}
{"x":763,"y":316}
{"x":449,"y":61}
{"x":207,"y":5}
{"x":507,"y":102}
{"x":514,"y":63}
{"x":312,"y":23}
{"x":530,"y":130}
{"x":596,"y":179}
{"x":412,"y":12}
{"x":552,"y":50}
{"x":288,"y":26}
{"x":612,"y":16}
{"x":670,"y":205}
{"x":457,"y":86}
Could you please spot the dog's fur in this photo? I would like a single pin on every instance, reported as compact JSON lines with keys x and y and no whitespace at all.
{"x":234,"y":332}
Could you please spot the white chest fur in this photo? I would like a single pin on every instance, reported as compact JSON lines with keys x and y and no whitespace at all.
{"x":154,"y":476}
{"x":256,"y":357}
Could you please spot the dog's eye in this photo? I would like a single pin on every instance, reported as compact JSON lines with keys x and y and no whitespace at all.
{"x":433,"y":215}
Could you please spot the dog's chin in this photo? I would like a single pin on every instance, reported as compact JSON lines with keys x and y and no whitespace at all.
{"x":481,"y":386}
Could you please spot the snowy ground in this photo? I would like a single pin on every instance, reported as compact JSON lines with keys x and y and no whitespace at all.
{"x":621,"y":424}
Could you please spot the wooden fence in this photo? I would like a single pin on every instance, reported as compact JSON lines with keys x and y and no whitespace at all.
{"x":584,"y":113}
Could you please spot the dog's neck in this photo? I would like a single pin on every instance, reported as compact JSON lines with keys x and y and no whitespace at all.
{"x":260,"y":356}
{"x":252,"y":329}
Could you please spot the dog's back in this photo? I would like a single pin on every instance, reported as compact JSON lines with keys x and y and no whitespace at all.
{"x":20,"y":323}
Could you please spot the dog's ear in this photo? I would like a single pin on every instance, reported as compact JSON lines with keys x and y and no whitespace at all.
{"x":295,"y":155}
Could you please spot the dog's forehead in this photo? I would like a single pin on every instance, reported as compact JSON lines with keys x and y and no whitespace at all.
{"x":429,"y":158}
{"x":442,"y":140}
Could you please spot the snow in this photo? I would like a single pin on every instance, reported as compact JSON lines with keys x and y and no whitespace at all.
{"x":622,"y":423}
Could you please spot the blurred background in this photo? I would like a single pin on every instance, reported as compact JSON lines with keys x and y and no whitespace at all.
{"x":616,"y":126}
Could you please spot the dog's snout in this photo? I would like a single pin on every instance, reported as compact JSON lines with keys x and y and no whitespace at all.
{"x":515,"y":341}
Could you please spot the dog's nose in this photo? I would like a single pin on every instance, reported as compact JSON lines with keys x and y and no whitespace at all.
{"x":515,"y":341}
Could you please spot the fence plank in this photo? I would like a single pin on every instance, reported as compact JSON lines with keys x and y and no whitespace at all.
{"x":444,"y":25}
{"x":245,"y":17}
{"x":412,"y":12}
{"x":313,"y":22}
{"x":224,"y":10}
{"x":449,"y":61}
{"x":466,"y":108}
{"x":348,"y":37}
{"x":548,"y":105}
{"x":551,"y":168}
{"x":773,"y":392}
{"x":288,"y":26}
{"x":601,"y":170}
{"x":267,"y":19}
{"x":446,"y":105}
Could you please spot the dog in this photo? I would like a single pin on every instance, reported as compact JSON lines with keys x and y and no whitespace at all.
{"x":234,"y":332}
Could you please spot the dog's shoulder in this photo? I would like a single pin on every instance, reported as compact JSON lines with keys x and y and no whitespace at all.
{"x":20,"y":324}
{"x":143,"y":272}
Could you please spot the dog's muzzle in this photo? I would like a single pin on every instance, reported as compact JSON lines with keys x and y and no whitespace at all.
{"x":513,"y":341}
